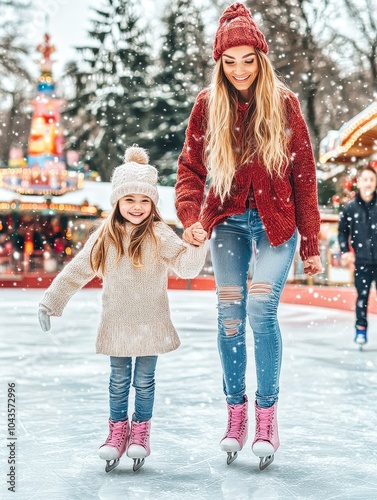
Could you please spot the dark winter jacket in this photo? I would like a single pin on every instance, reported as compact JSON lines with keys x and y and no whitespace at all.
{"x":358,"y":228}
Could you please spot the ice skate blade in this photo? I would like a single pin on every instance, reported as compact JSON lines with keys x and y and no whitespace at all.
{"x":265,"y":461}
{"x":111,"y":464}
{"x":232,"y":455}
{"x":138,"y":462}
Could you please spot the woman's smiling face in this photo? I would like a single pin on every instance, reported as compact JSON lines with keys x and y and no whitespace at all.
{"x":240,"y":65}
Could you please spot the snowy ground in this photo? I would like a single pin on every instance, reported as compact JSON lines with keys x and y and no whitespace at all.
{"x":327,"y":409}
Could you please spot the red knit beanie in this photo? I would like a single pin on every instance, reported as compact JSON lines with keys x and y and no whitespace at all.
{"x":237,"y":27}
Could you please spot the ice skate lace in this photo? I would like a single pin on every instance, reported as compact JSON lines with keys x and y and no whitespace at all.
{"x":139,"y":433}
{"x":236,"y":421}
{"x":118,"y":433}
{"x":263,"y":426}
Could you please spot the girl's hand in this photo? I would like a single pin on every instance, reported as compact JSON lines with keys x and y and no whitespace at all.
{"x":44,"y":314}
{"x":195,"y":234}
{"x":312,"y":265}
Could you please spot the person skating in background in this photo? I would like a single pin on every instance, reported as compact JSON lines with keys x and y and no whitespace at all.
{"x":246,"y":132}
{"x":132,"y":251}
{"x":358,"y":231}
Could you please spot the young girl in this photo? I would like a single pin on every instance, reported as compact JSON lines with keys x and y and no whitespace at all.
{"x":132,"y":252}
{"x":248,"y":134}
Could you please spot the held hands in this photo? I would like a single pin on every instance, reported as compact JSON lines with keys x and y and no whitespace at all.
{"x":312,"y":265}
{"x":195,"y":235}
{"x":44,"y":314}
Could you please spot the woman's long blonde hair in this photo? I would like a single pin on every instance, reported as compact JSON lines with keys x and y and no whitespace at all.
{"x":113,"y":231}
{"x":265,"y":127}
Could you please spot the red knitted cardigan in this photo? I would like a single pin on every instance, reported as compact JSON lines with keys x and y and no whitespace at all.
{"x":282,"y":203}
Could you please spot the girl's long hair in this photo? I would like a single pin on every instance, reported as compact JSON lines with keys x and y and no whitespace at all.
{"x":264,"y":131}
{"x":113,"y":231}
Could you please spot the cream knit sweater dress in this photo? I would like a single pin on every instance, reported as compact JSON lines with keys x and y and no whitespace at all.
{"x":135,"y":319}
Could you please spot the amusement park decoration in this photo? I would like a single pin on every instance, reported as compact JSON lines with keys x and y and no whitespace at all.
{"x":45,"y":172}
{"x":343,"y":152}
{"x":16,"y":158}
{"x":355,"y":140}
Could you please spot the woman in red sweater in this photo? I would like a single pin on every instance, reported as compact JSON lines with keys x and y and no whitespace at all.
{"x":247,"y":136}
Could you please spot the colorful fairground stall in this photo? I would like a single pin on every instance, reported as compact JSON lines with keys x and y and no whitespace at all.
{"x":39,"y":233}
{"x":343,"y":153}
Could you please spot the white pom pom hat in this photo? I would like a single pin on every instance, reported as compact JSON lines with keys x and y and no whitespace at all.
{"x":135,"y":176}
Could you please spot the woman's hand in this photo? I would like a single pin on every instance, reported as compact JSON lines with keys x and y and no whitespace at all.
{"x":195,"y":234}
{"x":312,"y":265}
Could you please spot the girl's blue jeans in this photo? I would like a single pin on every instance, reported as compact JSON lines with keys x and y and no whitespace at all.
{"x":143,"y":382}
{"x":233,"y":244}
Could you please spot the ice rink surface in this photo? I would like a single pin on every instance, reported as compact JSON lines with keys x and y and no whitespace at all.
{"x":327,"y":409}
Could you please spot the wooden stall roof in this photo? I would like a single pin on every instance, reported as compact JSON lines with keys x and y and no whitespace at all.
{"x":357,"y":138}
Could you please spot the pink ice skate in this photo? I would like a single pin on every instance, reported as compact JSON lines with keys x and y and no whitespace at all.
{"x":139,"y":444}
{"x":115,"y":444}
{"x":266,"y":440}
{"x":236,"y":432}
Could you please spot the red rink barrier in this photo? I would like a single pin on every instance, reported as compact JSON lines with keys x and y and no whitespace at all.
{"x":335,"y":297}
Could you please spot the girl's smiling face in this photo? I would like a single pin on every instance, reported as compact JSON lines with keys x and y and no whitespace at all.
{"x":135,"y":207}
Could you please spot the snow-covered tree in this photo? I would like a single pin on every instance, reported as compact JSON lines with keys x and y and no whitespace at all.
{"x":183,"y":61}
{"x":294,"y":30}
{"x":356,"y":40}
{"x":111,"y":105}
{"x":14,"y":78}
{"x":326,"y":52}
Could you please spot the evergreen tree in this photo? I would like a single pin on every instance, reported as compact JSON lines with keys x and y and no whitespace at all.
{"x":184,"y":60}
{"x":298,"y":53}
{"x":111,"y":105}
{"x":307,"y":49}
{"x":14,"y":78}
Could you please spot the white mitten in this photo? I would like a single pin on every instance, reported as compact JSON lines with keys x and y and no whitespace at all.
{"x":44,"y":314}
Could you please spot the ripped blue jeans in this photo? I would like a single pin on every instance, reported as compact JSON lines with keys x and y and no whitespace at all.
{"x":232,"y":245}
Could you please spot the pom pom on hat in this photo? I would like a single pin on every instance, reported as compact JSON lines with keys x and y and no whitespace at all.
{"x":237,"y":27}
{"x":135,"y":176}
{"x":136,"y":154}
